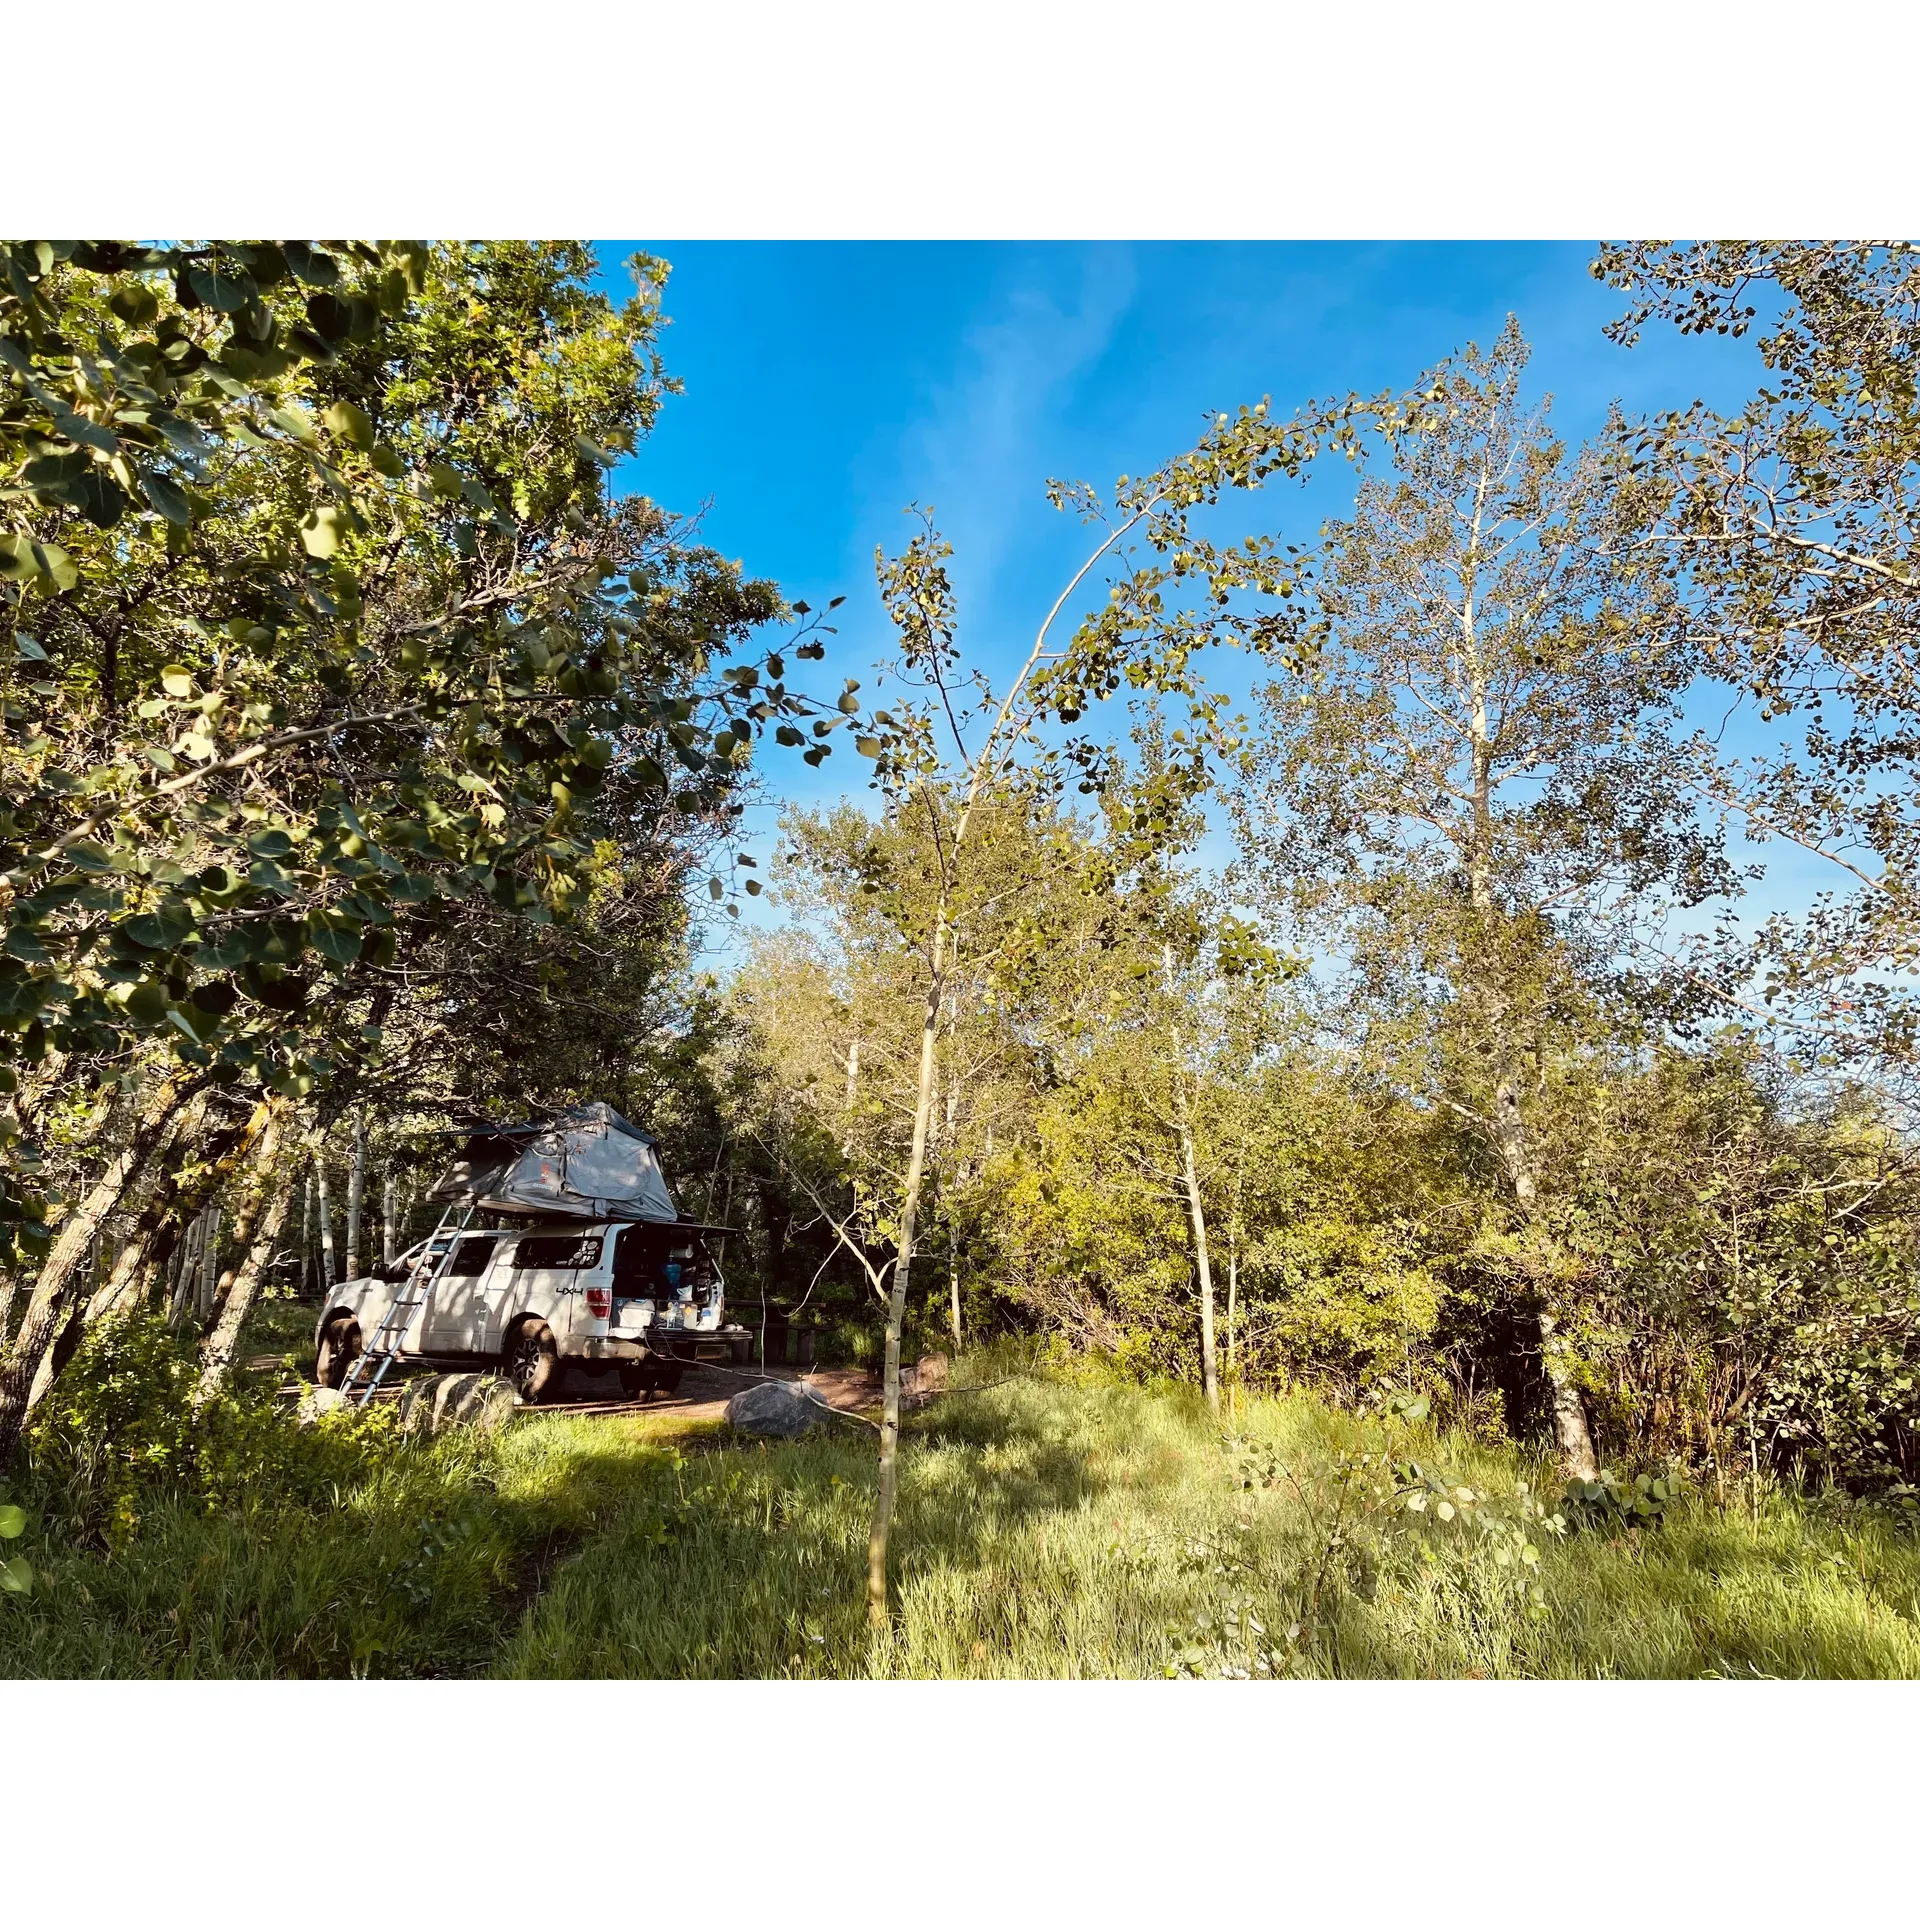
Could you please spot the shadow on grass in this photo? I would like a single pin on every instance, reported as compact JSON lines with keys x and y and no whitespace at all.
{"x":742,"y":1558}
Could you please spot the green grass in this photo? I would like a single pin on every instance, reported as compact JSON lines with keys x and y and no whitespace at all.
{"x":1045,"y":1529}
{"x":1065,"y":1532}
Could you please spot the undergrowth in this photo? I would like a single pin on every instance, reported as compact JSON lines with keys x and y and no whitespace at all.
{"x":1047,"y":1527}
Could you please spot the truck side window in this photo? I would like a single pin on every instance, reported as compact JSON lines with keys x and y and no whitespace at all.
{"x":576,"y":1250}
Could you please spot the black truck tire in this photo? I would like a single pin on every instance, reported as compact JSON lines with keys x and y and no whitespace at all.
{"x":532,"y":1361}
{"x":338,"y":1347}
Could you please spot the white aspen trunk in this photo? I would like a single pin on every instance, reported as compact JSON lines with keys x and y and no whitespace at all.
{"x":209,"y":1266}
{"x":953,"y":1290}
{"x":1233,"y":1286}
{"x":253,"y":1196}
{"x":1573,"y":1434}
{"x":62,"y":1272}
{"x":122,"y":1285}
{"x":184,"y":1262}
{"x":853,"y":1070}
{"x":60,"y":1347}
{"x":356,"y":1189}
{"x":218,"y":1349}
{"x":306,"y":1233}
{"x":326,"y":1223}
{"x":902,"y":1269}
{"x":126,"y":1283}
{"x":1233,"y":1302}
{"x":1196,"y":1210}
{"x":1197,"y":1215}
{"x":386,"y":1219}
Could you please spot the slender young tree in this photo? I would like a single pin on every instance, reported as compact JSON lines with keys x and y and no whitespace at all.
{"x":952,"y":749}
{"x":356,"y":1190}
{"x":327,"y":1274}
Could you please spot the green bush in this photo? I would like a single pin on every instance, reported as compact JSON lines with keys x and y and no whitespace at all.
{"x":120,"y":1432}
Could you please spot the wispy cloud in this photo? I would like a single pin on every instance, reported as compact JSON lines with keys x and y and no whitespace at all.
{"x":978,"y":451}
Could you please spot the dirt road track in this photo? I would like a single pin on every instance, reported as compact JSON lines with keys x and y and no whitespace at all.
{"x":704,"y":1391}
{"x":702,"y":1394}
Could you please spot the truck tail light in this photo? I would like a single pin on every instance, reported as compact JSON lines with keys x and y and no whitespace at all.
{"x":599,"y":1301}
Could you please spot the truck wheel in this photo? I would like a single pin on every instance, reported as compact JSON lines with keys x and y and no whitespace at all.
{"x":533,"y":1361}
{"x":339,"y":1346}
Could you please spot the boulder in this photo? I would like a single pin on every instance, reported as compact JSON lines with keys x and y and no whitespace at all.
{"x":485,"y":1400}
{"x":920,"y":1383}
{"x":777,"y":1410}
{"x":322,"y":1400}
{"x":416,"y":1406}
{"x":446,"y":1391}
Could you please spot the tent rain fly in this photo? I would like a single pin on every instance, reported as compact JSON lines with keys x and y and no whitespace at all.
{"x":587,"y":1163}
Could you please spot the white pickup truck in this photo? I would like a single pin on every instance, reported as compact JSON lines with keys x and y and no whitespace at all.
{"x":642,"y":1296}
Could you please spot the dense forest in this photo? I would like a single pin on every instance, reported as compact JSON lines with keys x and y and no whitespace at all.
{"x":1324,"y":983}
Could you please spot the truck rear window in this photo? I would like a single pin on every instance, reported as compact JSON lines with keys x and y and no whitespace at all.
{"x":557,"y":1250}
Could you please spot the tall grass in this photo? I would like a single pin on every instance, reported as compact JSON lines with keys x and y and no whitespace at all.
{"x":1046,"y":1529}
{"x":1049,"y":1530}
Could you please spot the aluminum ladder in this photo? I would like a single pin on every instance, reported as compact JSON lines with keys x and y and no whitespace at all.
{"x":405,"y":1308}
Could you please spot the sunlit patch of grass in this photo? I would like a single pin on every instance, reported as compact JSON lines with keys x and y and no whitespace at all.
{"x":1048,"y":1530}
{"x":1045,"y":1529}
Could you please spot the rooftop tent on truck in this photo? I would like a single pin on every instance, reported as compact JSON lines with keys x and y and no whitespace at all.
{"x":587,"y":1163}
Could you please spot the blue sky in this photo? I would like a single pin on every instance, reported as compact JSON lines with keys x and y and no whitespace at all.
{"x":829,"y":385}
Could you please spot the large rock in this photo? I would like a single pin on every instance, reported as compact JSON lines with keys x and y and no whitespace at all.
{"x":416,"y":1406}
{"x":485,"y":1400}
{"x":446,"y":1393}
{"x":436,"y":1402}
{"x":322,"y":1400}
{"x":920,"y":1384}
{"x":777,"y":1410}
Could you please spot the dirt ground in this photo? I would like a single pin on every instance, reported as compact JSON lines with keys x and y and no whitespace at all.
{"x":703,"y":1392}
{"x":705,"y":1389}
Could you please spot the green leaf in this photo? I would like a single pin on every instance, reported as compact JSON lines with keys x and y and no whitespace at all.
{"x":177,"y":1017}
{"x":295,"y":420}
{"x":148,"y":1001}
{"x":13,"y":1523}
{"x":346,"y":422}
{"x":322,"y":531}
{"x":219,"y":287}
{"x":16,"y":1577}
{"x":24,"y":944}
{"x":333,"y":943}
{"x":45,"y":566}
{"x":446,"y":482}
{"x":177,"y":681}
{"x":28,"y":647}
{"x":167,"y":497}
{"x":162,"y":931}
